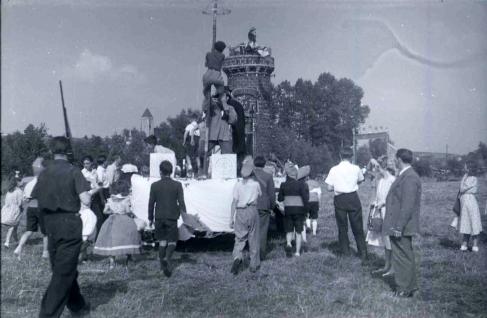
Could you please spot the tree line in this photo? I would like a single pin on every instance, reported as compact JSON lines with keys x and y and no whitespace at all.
{"x":310,"y":122}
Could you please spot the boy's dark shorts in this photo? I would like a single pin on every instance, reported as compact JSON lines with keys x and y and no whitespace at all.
{"x":314,"y":208}
{"x":293,"y":222}
{"x":35,"y":220}
{"x":166,"y":230}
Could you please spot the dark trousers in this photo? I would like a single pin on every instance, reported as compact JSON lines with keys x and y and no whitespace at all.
{"x":64,"y":243}
{"x":404,"y":263}
{"x":97,"y":206}
{"x":264,"y":216}
{"x":349,"y":208}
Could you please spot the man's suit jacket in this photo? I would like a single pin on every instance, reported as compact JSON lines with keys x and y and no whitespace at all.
{"x":403,"y":204}
{"x":267,"y":199}
{"x":238,"y":131}
{"x":167,"y":196}
{"x":221,"y":129}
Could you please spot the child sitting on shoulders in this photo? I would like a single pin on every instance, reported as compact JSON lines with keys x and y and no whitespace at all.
{"x":118,"y":235}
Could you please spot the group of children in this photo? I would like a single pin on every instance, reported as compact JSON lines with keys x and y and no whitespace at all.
{"x":119,"y":234}
{"x":300,"y":203}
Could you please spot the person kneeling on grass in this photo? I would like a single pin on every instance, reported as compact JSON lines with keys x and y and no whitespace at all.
{"x":118,"y":235}
{"x":245,"y":218}
{"x":167,"y":197}
{"x":295,"y":195}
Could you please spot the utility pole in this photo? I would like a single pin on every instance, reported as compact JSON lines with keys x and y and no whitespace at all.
{"x":214,"y":10}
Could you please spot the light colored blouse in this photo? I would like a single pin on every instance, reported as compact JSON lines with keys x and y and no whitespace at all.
{"x":383,"y":188}
{"x":246,"y":193}
{"x":468,"y":185}
{"x":118,"y":205}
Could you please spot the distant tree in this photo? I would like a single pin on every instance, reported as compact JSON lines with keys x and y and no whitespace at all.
{"x":363,"y":155}
{"x":423,"y":167}
{"x":377,"y":147}
{"x":322,"y":113}
{"x":455,"y":167}
{"x":19,"y":150}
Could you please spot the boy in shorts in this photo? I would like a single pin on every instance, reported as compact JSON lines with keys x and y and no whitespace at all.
{"x":34,"y":217}
{"x":295,"y":195}
{"x":167,"y":197}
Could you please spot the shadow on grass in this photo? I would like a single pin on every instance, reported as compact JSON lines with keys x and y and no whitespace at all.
{"x":220,"y":243}
{"x":100,"y":293}
{"x":449,"y":244}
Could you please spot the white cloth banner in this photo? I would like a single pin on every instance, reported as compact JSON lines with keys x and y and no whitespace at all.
{"x":156,"y":159}
{"x":209,"y":200}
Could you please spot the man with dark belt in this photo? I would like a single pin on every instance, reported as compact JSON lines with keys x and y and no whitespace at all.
{"x":60,"y":190}
{"x":343,"y":179}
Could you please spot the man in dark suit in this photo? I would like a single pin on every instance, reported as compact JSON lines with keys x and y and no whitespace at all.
{"x":167,"y":196}
{"x":401,"y":222}
{"x":238,"y":129}
{"x":266,"y":201}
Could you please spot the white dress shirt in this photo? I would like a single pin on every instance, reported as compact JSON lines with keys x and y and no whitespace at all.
{"x":101,"y":176}
{"x":344,"y":177}
{"x":404,"y":169}
{"x":91,"y":177}
{"x":110,"y":172}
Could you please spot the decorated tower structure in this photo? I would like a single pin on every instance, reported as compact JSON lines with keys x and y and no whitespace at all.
{"x":249,"y":68}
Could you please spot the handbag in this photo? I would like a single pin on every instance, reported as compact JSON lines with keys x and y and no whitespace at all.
{"x":456,"y":206}
{"x":375,"y":221}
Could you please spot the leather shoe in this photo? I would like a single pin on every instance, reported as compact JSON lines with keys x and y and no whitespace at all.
{"x":289,"y":251}
{"x":165,"y":269}
{"x":254,"y":269}
{"x":236,"y":266}
{"x":403,"y":294}
{"x":85,"y":311}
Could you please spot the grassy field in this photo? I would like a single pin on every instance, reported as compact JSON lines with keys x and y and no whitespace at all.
{"x":318,"y":284}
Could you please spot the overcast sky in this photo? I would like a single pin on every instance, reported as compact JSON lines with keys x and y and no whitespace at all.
{"x":422,"y":64}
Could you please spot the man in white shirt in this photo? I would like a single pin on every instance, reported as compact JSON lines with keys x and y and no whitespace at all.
{"x":192,"y":131}
{"x":343,"y":179}
{"x":88,"y":172}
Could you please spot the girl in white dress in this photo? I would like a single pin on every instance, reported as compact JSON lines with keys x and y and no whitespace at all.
{"x":11,"y":210}
{"x":376,"y":238}
{"x":470,"y":224}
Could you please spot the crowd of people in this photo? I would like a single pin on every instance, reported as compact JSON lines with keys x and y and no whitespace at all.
{"x":74,"y":207}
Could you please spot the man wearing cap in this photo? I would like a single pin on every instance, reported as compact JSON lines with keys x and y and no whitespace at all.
{"x":245,"y":218}
{"x":266,"y":201}
{"x":60,"y":190}
{"x":295,"y":195}
{"x":344,"y":179}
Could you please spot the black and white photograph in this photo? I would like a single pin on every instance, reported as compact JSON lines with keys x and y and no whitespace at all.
{"x":243,"y":158}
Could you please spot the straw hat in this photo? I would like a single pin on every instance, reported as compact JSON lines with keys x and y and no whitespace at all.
{"x":303,"y":172}
{"x":247,"y":167}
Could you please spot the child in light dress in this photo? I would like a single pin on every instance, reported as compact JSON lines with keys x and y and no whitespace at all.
{"x":119,"y":235}
{"x":11,"y":210}
{"x":470,"y":223}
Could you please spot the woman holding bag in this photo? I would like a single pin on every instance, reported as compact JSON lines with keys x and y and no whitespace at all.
{"x":377,"y":214}
{"x":470,"y":224}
